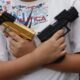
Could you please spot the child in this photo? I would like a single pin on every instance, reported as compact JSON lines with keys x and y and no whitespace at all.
{"x":40,"y":56}
{"x":37,"y":15}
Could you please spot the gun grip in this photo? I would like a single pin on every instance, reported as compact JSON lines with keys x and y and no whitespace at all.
{"x":68,"y":30}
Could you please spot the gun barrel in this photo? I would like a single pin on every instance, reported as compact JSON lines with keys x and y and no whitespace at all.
{"x":20,"y":29}
{"x":8,"y":21}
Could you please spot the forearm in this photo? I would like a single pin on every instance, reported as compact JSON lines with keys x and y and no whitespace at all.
{"x":18,"y":67}
{"x":27,"y":63}
{"x":71,"y":63}
{"x":44,"y":54}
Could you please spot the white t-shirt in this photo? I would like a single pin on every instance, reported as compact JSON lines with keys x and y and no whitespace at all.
{"x":3,"y":48}
{"x":42,"y":13}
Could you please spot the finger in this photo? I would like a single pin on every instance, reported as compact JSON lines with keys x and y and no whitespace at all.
{"x":15,"y":36}
{"x":60,"y":40}
{"x":63,"y":46}
{"x":13,"y":42}
{"x":6,"y":30}
{"x":58,"y":34}
{"x":13,"y":50}
{"x":63,"y":53}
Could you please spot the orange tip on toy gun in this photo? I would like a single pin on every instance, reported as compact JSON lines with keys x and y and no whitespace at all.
{"x":8,"y":21}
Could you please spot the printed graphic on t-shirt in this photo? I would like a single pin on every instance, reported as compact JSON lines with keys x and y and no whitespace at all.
{"x":31,"y":15}
{"x":4,"y":5}
{"x":27,"y":15}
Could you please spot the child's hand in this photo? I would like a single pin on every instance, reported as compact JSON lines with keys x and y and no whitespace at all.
{"x":20,"y":46}
{"x":47,"y":52}
{"x":51,"y":49}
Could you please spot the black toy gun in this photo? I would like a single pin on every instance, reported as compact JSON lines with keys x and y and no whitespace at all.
{"x":65,"y":17}
{"x":62,"y":20}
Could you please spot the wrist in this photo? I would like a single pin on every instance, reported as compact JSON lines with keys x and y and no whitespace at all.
{"x":42,"y":54}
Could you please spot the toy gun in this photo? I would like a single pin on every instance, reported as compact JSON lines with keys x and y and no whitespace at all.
{"x":8,"y":21}
{"x":65,"y":17}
